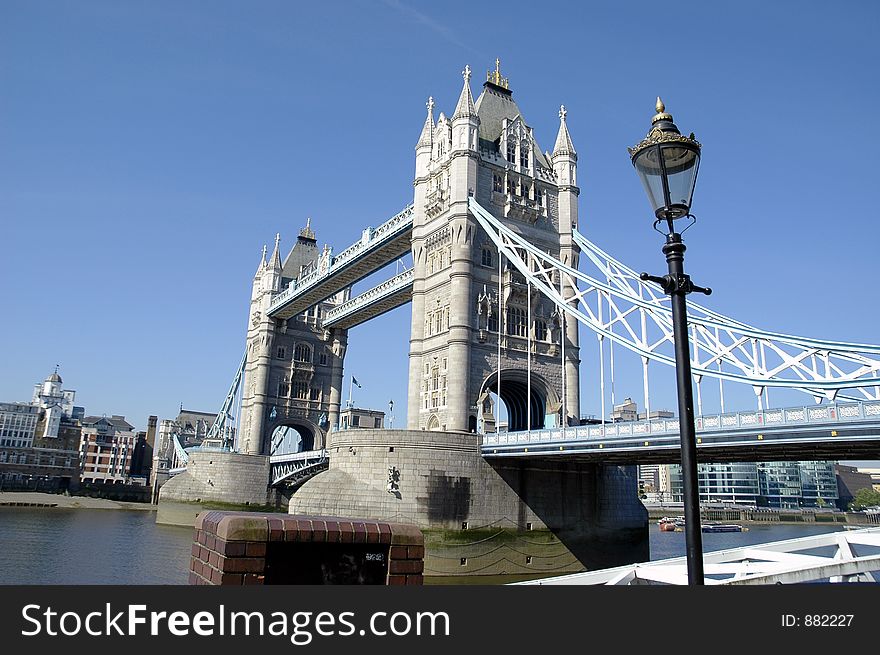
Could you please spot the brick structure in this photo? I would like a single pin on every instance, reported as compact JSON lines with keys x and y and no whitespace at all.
{"x":241,"y":548}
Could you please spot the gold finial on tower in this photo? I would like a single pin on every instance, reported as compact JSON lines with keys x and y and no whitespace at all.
{"x":495,"y":76}
{"x":661,"y":112}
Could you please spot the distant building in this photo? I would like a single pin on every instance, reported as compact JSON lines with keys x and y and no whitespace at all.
{"x":628,"y":410}
{"x":18,"y":422}
{"x":354,"y":417}
{"x":768,"y":484}
{"x":875,"y":476}
{"x":106,"y":449}
{"x":57,"y":405}
{"x":780,"y":485}
{"x":39,"y":440}
{"x":850,"y":480}
{"x":142,"y":458}
{"x":190,"y":429}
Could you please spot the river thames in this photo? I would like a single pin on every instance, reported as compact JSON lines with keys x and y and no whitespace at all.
{"x":98,"y":546}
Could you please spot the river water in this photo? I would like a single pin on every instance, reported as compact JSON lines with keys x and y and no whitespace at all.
{"x":99,"y":546}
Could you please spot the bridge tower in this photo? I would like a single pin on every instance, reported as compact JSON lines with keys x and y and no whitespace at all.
{"x":293,"y":368}
{"x":466,"y":326}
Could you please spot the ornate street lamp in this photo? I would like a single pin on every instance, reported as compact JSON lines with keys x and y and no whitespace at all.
{"x":667,"y":164}
{"x":390,"y":414}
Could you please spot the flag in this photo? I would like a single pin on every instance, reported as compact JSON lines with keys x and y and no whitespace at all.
{"x":355,"y":382}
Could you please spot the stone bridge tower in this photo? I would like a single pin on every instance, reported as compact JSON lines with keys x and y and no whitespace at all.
{"x":293,"y":369}
{"x":466,"y":327}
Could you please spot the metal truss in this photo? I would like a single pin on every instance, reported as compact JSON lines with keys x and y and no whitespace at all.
{"x":854,"y":557}
{"x":296,"y":468}
{"x":617,"y":305}
{"x":223,"y":429}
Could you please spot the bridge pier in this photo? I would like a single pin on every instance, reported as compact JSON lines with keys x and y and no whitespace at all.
{"x":509,"y":519}
{"x":214,"y":479}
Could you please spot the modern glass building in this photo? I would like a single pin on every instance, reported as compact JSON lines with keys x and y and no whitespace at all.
{"x":734,"y":483}
{"x":781,"y":485}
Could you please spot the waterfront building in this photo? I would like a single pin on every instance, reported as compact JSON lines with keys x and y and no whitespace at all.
{"x":718,"y":483}
{"x":850,"y":480}
{"x":18,"y":422}
{"x":818,"y":484}
{"x":780,"y":484}
{"x":39,"y":440}
{"x":106,"y":449}
{"x":57,"y":405}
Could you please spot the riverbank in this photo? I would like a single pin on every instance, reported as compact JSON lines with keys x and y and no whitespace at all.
{"x":51,"y":501}
{"x":757,"y":516}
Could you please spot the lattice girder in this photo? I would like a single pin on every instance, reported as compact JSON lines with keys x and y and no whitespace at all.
{"x":617,"y":305}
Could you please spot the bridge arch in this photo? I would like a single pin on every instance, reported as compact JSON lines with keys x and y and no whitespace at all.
{"x":293,"y":435}
{"x":544,"y":399}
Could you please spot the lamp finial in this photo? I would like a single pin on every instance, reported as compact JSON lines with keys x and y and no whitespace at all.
{"x":661,"y":114}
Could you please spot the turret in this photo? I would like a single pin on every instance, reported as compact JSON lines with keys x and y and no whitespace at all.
{"x":465,"y":122}
{"x":272,"y":273}
{"x":564,"y":160}
{"x":426,"y":142}
{"x":257,"y":288}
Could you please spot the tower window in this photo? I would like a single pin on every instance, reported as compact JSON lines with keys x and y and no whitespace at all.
{"x":516,"y":321}
{"x":524,"y":156}
{"x":511,"y":153}
{"x":540,"y":330}
{"x":281,"y":352}
{"x":486,"y":257}
{"x":497,"y":183}
{"x":302,"y":353}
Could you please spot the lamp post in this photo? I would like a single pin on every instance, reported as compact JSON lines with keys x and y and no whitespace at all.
{"x":667,"y":164}
{"x":390,"y":414}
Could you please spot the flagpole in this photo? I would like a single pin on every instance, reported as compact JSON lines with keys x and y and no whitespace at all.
{"x":350,"y":384}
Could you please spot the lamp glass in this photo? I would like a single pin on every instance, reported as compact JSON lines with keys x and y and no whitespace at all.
{"x":668,"y":172}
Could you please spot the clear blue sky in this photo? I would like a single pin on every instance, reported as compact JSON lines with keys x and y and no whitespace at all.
{"x":149,"y":149}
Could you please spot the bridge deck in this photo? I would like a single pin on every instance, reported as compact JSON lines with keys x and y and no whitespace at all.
{"x":838,"y":431}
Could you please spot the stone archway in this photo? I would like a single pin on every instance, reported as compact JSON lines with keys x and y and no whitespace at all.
{"x":520,"y":404}
{"x":291,"y":436}
{"x":433,"y":423}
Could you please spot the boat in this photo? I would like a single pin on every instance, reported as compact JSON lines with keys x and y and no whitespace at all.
{"x":671,"y":523}
{"x":723,"y":527}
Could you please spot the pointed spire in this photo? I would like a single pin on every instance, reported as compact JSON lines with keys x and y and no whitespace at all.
{"x":276,"y":256}
{"x":563,"y":146}
{"x":465,"y":107}
{"x":262,"y":265}
{"x":427,"y":136}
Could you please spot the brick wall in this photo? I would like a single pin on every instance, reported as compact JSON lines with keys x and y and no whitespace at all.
{"x":236,"y":548}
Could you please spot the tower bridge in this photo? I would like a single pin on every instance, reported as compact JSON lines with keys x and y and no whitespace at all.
{"x":497,"y":295}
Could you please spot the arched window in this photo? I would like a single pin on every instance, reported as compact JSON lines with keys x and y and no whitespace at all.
{"x":302,"y":353}
{"x":516,"y":321}
{"x":540,"y":330}
{"x":524,"y":156}
{"x":493,"y":322}
{"x":486,"y":256}
{"x":284,"y":387}
{"x":301,"y":390}
{"x":511,"y":153}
